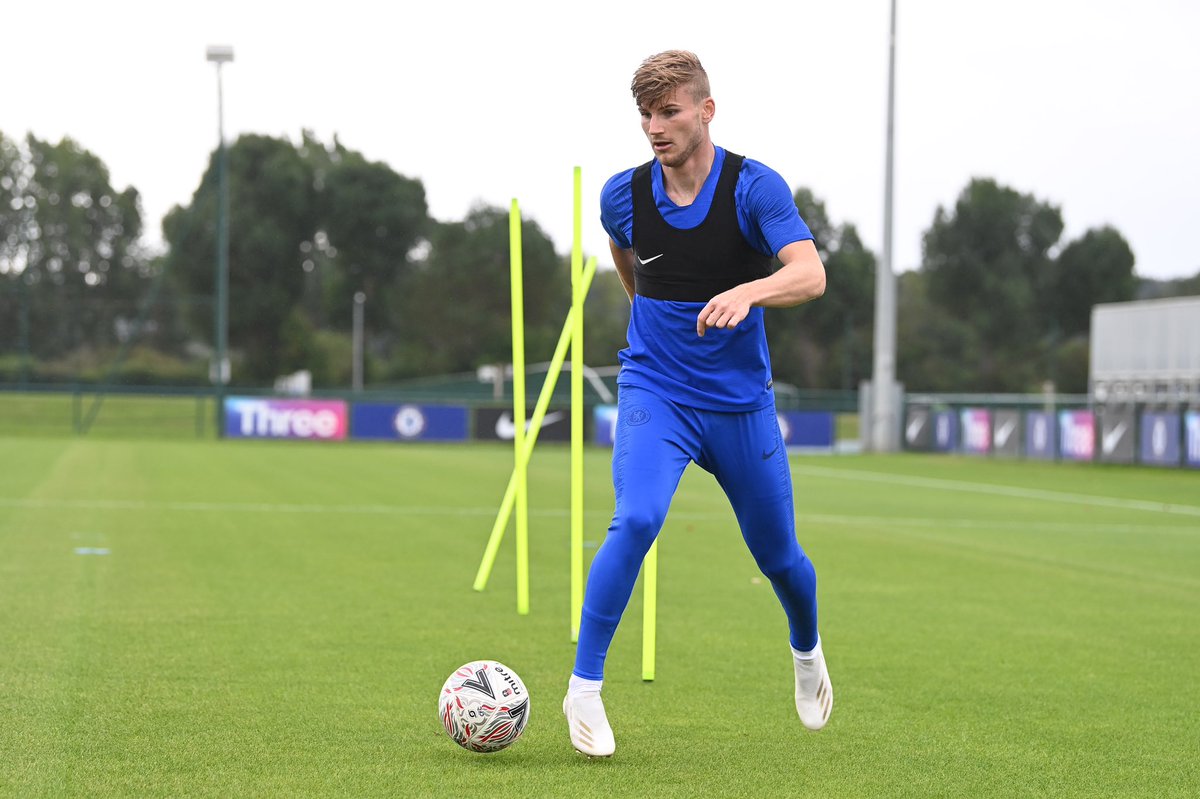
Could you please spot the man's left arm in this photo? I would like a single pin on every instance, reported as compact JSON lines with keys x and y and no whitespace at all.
{"x":800,"y":279}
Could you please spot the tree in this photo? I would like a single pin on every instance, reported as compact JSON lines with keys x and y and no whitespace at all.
{"x":1150,"y":289}
{"x":1095,"y":268}
{"x":273,"y":211}
{"x":373,"y":218}
{"x":935,"y":351}
{"x":311,"y":226}
{"x":812,"y":211}
{"x":69,"y":251}
{"x":827,"y":343}
{"x":606,"y":319}
{"x":457,"y":312}
{"x":988,"y":263}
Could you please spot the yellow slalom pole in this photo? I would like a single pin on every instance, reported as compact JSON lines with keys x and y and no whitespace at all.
{"x":577,"y":415}
{"x":535,"y":423}
{"x":518,"y":364}
{"x":649,"y":610}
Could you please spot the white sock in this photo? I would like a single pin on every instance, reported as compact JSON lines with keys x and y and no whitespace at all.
{"x":578,"y":685}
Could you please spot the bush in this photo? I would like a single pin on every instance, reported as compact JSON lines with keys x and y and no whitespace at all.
{"x":141,"y":366}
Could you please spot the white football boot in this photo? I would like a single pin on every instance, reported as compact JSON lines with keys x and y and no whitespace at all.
{"x":590,"y":733}
{"x":814,"y":691}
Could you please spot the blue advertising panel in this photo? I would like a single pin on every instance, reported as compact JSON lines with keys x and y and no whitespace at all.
{"x":263,"y":417}
{"x":1191,"y":455}
{"x":384,"y":422}
{"x":1160,"y":439}
{"x":976,"y":426}
{"x":605,"y":417}
{"x":1040,"y":435}
{"x":1077,"y":435}
{"x":945,"y":431}
{"x":809,"y":429}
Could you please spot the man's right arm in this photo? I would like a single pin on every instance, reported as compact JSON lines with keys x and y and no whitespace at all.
{"x":616,"y":215}
{"x":623,"y":260}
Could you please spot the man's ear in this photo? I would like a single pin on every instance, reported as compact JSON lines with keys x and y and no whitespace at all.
{"x":708,"y":110}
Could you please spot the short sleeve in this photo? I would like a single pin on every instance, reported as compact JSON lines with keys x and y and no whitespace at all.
{"x":767,"y":211}
{"x":616,"y":208}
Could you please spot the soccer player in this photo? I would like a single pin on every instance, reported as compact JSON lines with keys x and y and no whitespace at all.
{"x":693,"y":235}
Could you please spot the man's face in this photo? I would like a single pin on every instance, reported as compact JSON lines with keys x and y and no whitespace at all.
{"x":677,"y":126}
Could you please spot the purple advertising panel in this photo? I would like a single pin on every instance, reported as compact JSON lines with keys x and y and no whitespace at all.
{"x":259,"y":417}
{"x":809,"y":429}
{"x":605,"y":418}
{"x":1077,"y":435}
{"x":945,"y":431}
{"x":1191,"y":454}
{"x":976,"y":426}
{"x":1160,"y":439}
{"x":1039,"y":435}
{"x":409,"y":422}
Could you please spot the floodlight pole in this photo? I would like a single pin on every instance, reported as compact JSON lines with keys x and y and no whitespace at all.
{"x":357,"y":341}
{"x":884,"y":413}
{"x":23,"y":327}
{"x":221,"y":55}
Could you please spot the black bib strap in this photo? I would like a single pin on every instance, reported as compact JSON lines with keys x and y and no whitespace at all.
{"x":696,"y":264}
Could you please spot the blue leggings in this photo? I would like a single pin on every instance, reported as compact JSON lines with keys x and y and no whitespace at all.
{"x":655,"y":441}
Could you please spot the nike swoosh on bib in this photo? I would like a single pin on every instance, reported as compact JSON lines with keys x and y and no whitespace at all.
{"x":644,"y":261}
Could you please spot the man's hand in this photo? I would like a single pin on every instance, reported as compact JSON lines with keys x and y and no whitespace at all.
{"x":800,"y":279}
{"x":726,"y":310}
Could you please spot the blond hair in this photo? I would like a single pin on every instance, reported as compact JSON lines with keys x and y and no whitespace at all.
{"x":660,"y":75}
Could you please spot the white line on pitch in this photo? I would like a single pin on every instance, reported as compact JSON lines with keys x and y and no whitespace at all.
{"x":244,"y":507}
{"x":1008,"y":491}
{"x":723,"y":514}
{"x":983,"y":524}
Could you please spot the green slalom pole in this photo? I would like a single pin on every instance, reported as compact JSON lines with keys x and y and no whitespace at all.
{"x":577,"y":415}
{"x":518,"y":364}
{"x":649,"y":610}
{"x":535,"y":423}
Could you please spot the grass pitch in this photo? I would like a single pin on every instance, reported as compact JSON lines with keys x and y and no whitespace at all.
{"x":223,"y":619}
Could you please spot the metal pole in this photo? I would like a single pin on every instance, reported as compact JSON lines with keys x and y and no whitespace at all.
{"x":884,"y":413}
{"x":222,"y":259}
{"x":357,"y":380}
{"x":23,"y":327}
{"x":220,"y":55}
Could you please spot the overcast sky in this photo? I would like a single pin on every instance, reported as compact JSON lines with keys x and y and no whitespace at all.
{"x":1090,"y":105}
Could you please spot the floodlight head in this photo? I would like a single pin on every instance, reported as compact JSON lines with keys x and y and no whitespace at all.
{"x":220,"y":53}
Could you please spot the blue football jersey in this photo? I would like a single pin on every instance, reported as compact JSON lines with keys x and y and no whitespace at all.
{"x":726,"y":369}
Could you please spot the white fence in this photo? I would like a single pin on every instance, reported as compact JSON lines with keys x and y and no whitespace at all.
{"x":1146,"y":352}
